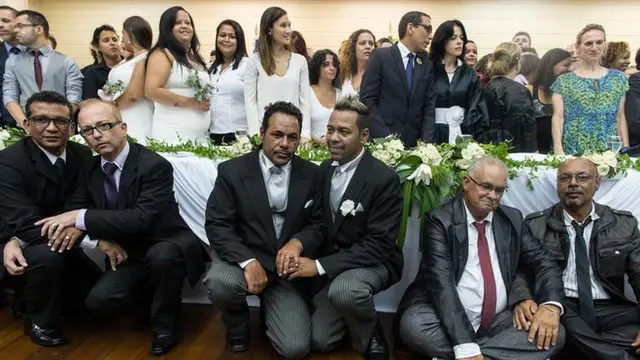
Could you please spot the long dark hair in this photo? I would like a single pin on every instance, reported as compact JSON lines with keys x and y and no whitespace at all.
{"x":440,"y":38}
{"x":545,"y":76}
{"x":241,"y":49}
{"x":265,"y":48}
{"x":139,"y":31}
{"x":315,"y":66}
{"x":299,"y":45}
{"x":167,"y":41}
{"x":95,"y":42}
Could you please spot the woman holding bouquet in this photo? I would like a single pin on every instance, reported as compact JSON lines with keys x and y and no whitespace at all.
{"x":177,"y":80}
{"x":136,"y":109}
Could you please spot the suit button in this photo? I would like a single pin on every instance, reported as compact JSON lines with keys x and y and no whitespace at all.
{"x":617,"y":252}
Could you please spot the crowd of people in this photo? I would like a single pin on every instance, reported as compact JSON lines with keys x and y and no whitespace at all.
{"x":316,"y":243}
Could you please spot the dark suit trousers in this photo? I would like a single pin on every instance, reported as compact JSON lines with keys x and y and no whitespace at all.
{"x":161,"y":271}
{"x":617,"y":328}
{"x":55,"y":281}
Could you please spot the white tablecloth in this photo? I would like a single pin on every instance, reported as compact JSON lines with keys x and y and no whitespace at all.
{"x":195,"y":178}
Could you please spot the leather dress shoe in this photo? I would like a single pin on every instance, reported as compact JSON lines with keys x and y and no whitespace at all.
{"x":238,"y":342}
{"x":45,"y":337}
{"x":163,"y":344}
{"x":377,"y":349}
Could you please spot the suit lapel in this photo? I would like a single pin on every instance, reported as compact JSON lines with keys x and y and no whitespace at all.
{"x":257,"y":192}
{"x":461,"y":233}
{"x":296,"y":196}
{"x":128,"y":175}
{"x":397,"y":59}
{"x":96,"y":184}
{"x":326,"y":199}
{"x":70,"y":170}
{"x":502,"y":238}
{"x":42,"y":163}
{"x":355,"y":187}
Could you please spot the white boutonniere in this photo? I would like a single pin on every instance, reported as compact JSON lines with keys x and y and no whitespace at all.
{"x":349,"y":207}
{"x":419,"y":61}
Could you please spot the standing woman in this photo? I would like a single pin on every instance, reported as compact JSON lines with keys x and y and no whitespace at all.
{"x":275,"y":72}
{"x":588,"y":104}
{"x":105,"y":51}
{"x":228,"y":116}
{"x":324,"y":76}
{"x":136,"y":109}
{"x":460,"y":107}
{"x":353,"y":61}
{"x":178,"y":115}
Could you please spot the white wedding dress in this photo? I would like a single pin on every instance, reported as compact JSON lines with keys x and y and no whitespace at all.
{"x":139,"y":115}
{"x":173,"y":124}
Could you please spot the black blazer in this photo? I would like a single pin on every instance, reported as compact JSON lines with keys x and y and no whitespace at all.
{"x":367,"y":238}
{"x":394,"y":109}
{"x":5,"y":117}
{"x":445,"y":256}
{"x":238,"y":217}
{"x":147,"y":210}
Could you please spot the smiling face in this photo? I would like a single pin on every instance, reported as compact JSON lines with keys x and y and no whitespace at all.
{"x":470,"y":54}
{"x":344,"y":140}
{"x":364,"y":46}
{"x":592,"y":45}
{"x":484,"y":188}
{"x":522,"y":41}
{"x":227,"y":42}
{"x":183,"y":29}
{"x":577,"y":182}
{"x":109,"y":44}
{"x":454,"y":45}
{"x":281,"y":31}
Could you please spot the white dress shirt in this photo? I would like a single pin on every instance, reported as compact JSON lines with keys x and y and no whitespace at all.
{"x":227,"y":108}
{"x":569,"y":275}
{"x":404,"y":53}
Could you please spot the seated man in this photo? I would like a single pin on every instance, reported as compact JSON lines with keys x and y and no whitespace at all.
{"x":458,"y":305}
{"x":38,"y":175}
{"x":126,"y":204}
{"x":356,"y":219}
{"x":595,"y":246}
{"x":258,"y":202}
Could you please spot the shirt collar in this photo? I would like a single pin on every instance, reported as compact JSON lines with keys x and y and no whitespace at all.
{"x":8,"y":46}
{"x":568,"y":219}
{"x":404,"y":50}
{"x":268,"y":164}
{"x":52,"y":158}
{"x":350,"y":165}
{"x":120,"y":159}
{"x":45,"y":50}
{"x":471,"y":219}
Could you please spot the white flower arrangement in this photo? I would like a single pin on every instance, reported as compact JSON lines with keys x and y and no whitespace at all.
{"x":241,"y":146}
{"x":388,"y":150}
{"x":421,"y":175}
{"x":428,"y":153}
{"x":606,"y":162}
{"x":200,"y":91}
{"x":111,"y":91}
{"x":78,"y":139}
{"x":470,"y":153}
{"x":4,"y":136}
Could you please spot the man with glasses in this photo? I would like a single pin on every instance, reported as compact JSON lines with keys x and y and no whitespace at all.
{"x":39,"y":175}
{"x":458,"y":307}
{"x":398,"y":85}
{"x":595,"y":246}
{"x":127,"y":207}
{"x":37,"y":69}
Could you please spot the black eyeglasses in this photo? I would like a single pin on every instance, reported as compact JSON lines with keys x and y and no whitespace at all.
{"x":489,"y":188}
{"x":580,"y":178}
{"x":101,"y":128}
{"x":44,"y":121}
{"x":20,"y":25}
{"x":427,"y":28}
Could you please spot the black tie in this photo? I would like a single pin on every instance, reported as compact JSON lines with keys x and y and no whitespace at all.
{"x":14,"y":51}
{"x":110,"y":187}
{"x":59,"y":165}
{"x":585,"y":297}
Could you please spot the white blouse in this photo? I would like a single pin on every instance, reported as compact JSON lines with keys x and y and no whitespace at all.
{"x":347,"y":88}
{"x":228,"y":113}
{"x":261,"y":90}
{"x":320,"y":114}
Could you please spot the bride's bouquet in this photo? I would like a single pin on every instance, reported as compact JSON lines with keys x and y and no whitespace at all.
{"x":201,"y":91}
{"x":111,"y":91}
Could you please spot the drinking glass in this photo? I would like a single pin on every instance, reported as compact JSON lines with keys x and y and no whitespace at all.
{"x":614,"y":143}
{"x":462,"y":138}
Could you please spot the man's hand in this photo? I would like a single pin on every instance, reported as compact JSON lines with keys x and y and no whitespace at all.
{"x":66,"y":240}
{"x":523,"y":314}
{"x":13,"y":258}
{"x":306,"y":268}
{"x":117,"y":255}
{"x":546,"y":323}
{"x":256,"y":277}
{"x":288,"y":257}
{"x":53,"y":226}
{"x":477,"y":357}
{"x":636,"y":343}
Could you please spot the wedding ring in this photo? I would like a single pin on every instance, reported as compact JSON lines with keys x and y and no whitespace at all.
{"x":67,"y":238}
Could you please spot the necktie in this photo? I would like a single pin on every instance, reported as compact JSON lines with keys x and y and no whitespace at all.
{"x":585,"y":297}
{"x":277,"y":196}
{"x":37,"y":68}
{"x":110,"y":186}
{"x":489,"y":299}
{"x":59,"y":165}
{"x":14,"y":51}
{"x":335,"y":195}
{"x":409,"y":70}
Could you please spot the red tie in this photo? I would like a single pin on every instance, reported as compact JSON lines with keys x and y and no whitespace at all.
{"x":489,"y":299}
{"x":37,"y":68}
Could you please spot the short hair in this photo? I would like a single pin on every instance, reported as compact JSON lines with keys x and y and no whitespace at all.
{"x":524,"y":33}
{"x":315,"y":65}
{"x":413,"y":17}
{"x":529,"y":50}
{"x":588,"y":28}
{"x":88,"y":102}
{"x":5,"y":7}
{"x":37,"y":19}
{"x":383,"y":40}
{"x":352,"y":103}
{"x":47,"y":97}
{"x":282,"y":107}
{"x":486,"y":160}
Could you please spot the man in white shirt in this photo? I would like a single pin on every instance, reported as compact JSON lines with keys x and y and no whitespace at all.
{"x":458,"y":306}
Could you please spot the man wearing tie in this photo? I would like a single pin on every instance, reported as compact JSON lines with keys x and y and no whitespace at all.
{"x":458,"y":306}
{"x":595,"y":246}
{"x":128,"y":210}
{"x":258,"y":202}
{"x":39,"y":68}
{"x":10,"y":48}
{"x":398,"y":85}
{"x":356,"y":218}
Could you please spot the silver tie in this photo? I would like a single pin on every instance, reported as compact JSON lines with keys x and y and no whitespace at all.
{"x":337,"y":185}
{"x":277,"y":196}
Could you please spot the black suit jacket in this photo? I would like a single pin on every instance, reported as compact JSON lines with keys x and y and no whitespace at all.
{"x":394,"y":108}
{"x":367,"y":238}
{"x":5,"y":117}
{"x":445,"y":257}
{"x":239,"y":223}
{"x":147,"y":210}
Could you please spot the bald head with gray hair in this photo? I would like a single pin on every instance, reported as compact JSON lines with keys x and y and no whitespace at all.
{"x":486,"y":160}
{"x":352,"y":103}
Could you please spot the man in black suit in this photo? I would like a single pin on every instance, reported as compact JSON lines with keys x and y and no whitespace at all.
{"x":356,"y":217}
{"x":259,"y":201}
{"x":458,"y":306}
{"x":126,"y":204}
{"x":595,"y":246}
{"x":39,"y":175}
{"x":10,"y":47}
{"x":397,"y":86}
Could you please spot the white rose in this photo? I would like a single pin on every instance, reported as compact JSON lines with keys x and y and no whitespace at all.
{"x":603,"y":169}
{"x":472,"y":151}
{"x":394,"y":145}
{"x":464,"y":163}
{"x":422,"y":174}
{"x":384,"y":156}
{"x":609,"y":158}
{"x":348,"y":207}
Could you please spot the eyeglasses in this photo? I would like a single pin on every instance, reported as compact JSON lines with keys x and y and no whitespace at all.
{"x":580,"y":178}
{"x":20,"y":25}
{"x":489,"y":188}
{"x":44,"y":121}
{"x":427,"y":28}
{"x":102,"y":128}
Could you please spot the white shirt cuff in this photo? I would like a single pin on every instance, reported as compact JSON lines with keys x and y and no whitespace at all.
{"x":88,"y":243}
{"x":245,"y":263}
{"x":320,"y":268}
{"x":466,"y":350}
{"x":80,"y":220}
{"x":556,"y":304}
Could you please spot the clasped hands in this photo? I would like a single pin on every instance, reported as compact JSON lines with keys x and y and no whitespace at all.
{"x":543,"y":321}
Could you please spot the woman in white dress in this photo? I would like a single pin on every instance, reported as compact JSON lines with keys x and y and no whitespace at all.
{"x":324,"y":76}
{"x":353,"y":61}
{"x":136,"y":109}
{"x":275,"y":73}
{"x":178,"y":115}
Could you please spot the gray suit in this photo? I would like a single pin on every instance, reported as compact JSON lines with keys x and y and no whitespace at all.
{"x":60,"y":74}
